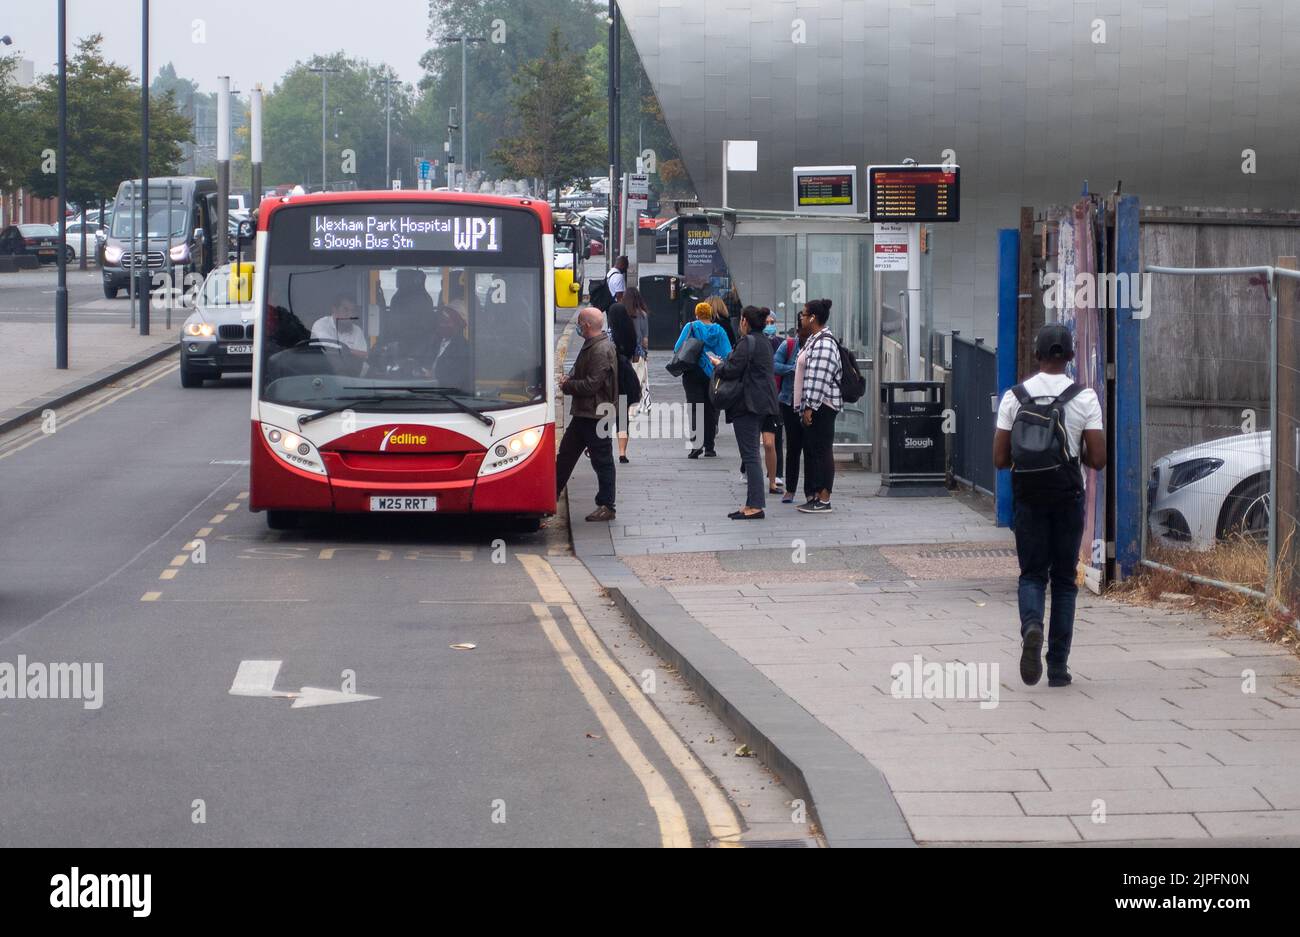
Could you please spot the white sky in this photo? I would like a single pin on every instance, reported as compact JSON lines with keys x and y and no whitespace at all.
{"x":250,"y":40}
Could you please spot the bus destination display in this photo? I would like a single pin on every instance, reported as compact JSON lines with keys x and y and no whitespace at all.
{"x":399,"y":232}
{"x":914,"y":193}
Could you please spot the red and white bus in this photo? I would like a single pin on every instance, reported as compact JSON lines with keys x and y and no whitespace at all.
{"x":402,"y":356}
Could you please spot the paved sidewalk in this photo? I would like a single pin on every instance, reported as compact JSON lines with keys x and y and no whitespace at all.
{"x":1155,"y":741}
{"x":29,"y":381}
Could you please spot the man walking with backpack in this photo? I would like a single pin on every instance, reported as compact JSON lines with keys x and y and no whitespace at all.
{"x":1047,"y":426}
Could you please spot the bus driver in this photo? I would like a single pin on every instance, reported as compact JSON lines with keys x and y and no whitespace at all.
{"x":341,"y":326}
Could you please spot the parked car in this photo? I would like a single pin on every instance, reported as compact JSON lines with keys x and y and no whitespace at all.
{"x":217,"y":338}
{"x":73,"y":239}
{"x":1211,"y":492}
{"x":40,"y":240}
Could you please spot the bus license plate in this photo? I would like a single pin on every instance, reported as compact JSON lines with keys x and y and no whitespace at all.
{"x":239,"y":349}
{"x":403,"y":503}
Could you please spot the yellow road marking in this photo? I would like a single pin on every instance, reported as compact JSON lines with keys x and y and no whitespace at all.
{"x":232,"y":506}
{"x":242,"y":496}
{"x":150,"y":597}
{"x":724,"y":825}
{"x":36,"y":435}
{"x":217,"y":519}
{"x":179,"y":560}
{"x":673,"y":831}
{"x":204,"y":532}
{"x":169,"y":574}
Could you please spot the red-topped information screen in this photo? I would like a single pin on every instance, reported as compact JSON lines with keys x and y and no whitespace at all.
{"x":914,"y":193}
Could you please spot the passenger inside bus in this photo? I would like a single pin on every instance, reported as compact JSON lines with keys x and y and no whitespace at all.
{"x":451,"y":361}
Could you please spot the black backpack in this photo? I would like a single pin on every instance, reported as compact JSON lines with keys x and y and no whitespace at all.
{"x":852,"y":384}
{"x":1041,"y":465}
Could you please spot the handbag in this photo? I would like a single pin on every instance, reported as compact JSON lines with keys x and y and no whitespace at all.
{"x":726,"y":393}
{"x":687,"y":355}
{"x":629,"y":385}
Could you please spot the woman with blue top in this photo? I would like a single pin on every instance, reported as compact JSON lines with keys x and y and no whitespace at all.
{"x":696,"y":380}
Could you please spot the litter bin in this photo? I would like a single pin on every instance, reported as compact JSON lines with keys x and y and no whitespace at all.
{"x":662,"y":293}
{"x":914,"y":456}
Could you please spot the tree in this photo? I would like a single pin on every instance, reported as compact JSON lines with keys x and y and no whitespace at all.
{"x":517,"y":32}
{"x":355,"y":137}
{"x":557,"y":139}
{"x":16,"y":151}
{"x":103,"y":129}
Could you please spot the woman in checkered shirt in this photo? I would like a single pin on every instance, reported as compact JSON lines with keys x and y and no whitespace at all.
{"x":817,"y":398}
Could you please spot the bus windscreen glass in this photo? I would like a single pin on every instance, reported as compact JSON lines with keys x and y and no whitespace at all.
{"x":443,"y":310}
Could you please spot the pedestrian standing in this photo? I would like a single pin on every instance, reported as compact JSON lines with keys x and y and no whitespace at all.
{"x":722,"y":315}
{"x":817,"y":376}
{"x":616,"y":279}
{"x":773,"y":449}
{"x":695,"y":380}
{"x":784,"y":365}
{"x":1047,"y":426}
{"x":593,"y":384}
{"x":640,"y":313}
{"x":623,"y":333}
{"x":750,"y":364}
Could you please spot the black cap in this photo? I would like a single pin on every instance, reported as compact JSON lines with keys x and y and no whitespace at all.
{"x":1054,"y":341}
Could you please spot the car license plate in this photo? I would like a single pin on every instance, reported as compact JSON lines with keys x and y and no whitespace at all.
{"x":239,"y":349}
{"x":403,"y":503}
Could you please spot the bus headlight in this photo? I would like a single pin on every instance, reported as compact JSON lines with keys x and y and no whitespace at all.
{"x":199,"y":329}
{"x":509,"y":452}
{"x":293,"y":449}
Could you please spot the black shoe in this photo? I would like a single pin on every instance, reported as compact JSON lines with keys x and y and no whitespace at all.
{"x":742,"y":516}
{"x":815,"y":507}
{"x":710,"y":454}
{"x":694,"y":453}
{"x":1031,"y":663}
{"x":623,"y":459}
{"x":1058,"y":677}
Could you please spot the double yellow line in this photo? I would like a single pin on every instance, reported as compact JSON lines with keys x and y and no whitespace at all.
{"x":724,"y":826}
{"x":20,"y":439}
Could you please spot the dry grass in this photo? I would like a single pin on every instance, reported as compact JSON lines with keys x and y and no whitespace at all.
{"x":1241,"y":562}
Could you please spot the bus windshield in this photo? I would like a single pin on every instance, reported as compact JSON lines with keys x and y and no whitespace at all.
{"x":380,"y":333}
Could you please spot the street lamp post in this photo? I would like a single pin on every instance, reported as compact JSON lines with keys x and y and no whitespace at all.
{"x":61,"y":290}
{"x":324,"y":71}
{"x":464,"y":100}
{"x":388,"y":129}
{"x":144,"y":296}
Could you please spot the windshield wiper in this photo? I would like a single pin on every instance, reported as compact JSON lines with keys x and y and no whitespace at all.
{"x":446,"y":393}
{"x":406,"y":393}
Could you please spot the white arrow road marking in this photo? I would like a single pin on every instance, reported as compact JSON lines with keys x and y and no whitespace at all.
{"x":315,"y":696}
{"x":257,"y":678}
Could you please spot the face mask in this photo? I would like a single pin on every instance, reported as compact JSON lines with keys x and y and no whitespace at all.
{"x":769,"y":330}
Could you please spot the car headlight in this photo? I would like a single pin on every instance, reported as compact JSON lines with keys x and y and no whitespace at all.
{"x":199,"y":329}
{"x":112,"y":254}
{"x":1193,"y":470}
{"x":294,"y":449}
{"x":509,"y":452}
{"x":180,"y":253}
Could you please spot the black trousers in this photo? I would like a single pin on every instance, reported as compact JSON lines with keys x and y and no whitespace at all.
{"x":794,"y":431}
{"x":819,"y":450}
{"x":582,"y":433}
{"x":696,"y":384}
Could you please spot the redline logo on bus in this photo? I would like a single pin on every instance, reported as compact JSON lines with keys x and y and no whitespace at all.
{"x":394,"y":438}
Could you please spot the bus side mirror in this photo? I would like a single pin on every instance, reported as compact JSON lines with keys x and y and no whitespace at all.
{"x":245,"y":230}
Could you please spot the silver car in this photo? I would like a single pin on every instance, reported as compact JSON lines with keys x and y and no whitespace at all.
{"x":217,"y":338}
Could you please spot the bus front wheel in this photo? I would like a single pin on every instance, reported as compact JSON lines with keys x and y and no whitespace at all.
{"x":281,"y":520}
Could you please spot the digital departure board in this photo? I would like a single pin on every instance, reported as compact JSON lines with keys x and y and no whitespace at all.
{"x":914,"y":193}
{"x":828,"y":190}
{"x":406,"y":232}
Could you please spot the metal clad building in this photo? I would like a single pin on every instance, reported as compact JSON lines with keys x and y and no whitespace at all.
{"x":1024,"y":92}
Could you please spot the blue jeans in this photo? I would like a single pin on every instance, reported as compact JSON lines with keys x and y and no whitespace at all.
{"x":1047,"y":543}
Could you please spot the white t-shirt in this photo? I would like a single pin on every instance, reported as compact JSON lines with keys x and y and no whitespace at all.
{"x":327,"y":327}
{"x":617,"y":282}
{"x":1081,"y":413}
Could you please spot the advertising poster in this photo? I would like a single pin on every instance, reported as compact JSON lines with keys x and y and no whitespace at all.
{"x":700,"y":263}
